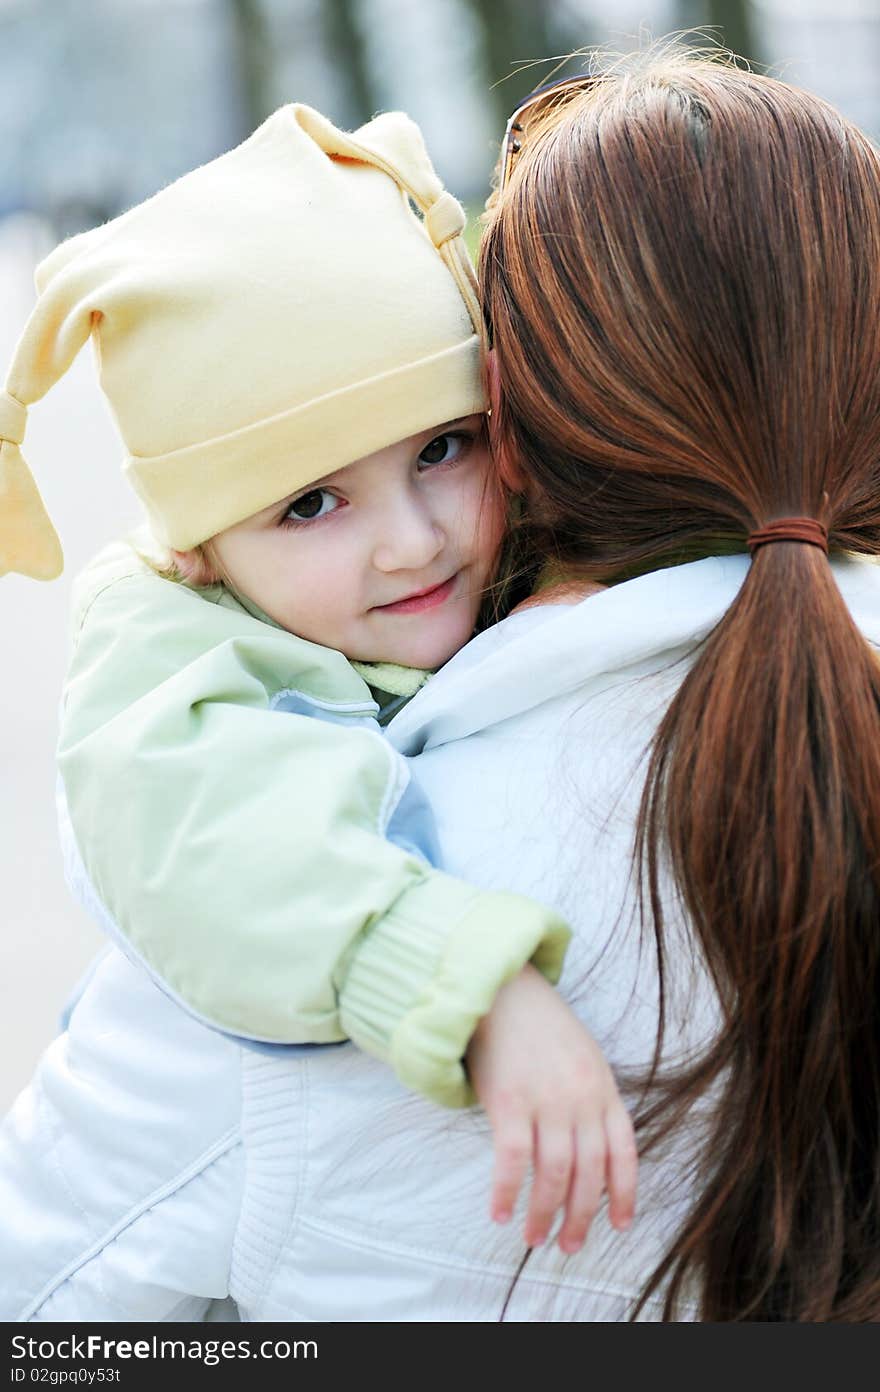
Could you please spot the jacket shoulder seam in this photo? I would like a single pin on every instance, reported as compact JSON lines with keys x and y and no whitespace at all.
{"x":102,"y":590}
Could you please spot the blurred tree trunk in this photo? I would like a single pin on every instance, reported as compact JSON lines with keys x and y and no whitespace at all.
{"x":345,"y":41}
{"x":253,"y":53}
{"x":513,"y":32}
{"x":730,"y":21}
{"x":734,"y":20}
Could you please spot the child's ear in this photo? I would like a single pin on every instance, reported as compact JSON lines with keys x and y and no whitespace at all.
{"x":196,"y":567}
{"x":508,"y":468}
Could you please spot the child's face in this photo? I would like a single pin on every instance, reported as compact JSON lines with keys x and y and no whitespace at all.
{"x":385,"y":560}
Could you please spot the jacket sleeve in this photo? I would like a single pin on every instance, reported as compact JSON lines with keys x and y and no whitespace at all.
{"x":241,"y":850}
{"x":121,"y":1170}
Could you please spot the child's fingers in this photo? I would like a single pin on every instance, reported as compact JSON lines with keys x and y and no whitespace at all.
{"x":513,"y":1153}
{"x":623,"y":1166}
{"x":554,"y":1159}
{"x":587,"y":1183}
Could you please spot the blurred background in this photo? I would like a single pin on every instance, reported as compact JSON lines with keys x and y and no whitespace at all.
{"x":104,"y":101}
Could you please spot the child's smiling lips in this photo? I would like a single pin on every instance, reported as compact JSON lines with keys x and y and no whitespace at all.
{"x":421,"y":599}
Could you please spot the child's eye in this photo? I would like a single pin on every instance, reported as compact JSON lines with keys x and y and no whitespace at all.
{"x":318,"y":503}
{"x":445,"y":449}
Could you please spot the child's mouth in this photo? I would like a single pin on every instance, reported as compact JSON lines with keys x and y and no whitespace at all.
{"x":422,"y":599}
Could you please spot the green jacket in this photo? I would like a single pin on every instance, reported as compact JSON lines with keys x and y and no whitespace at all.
{"x":241,"y":849}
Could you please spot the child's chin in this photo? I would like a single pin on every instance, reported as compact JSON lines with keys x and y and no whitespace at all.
{"x":429,"y":654}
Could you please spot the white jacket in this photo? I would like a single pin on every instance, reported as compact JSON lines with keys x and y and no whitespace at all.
{"x":154,"y":1166}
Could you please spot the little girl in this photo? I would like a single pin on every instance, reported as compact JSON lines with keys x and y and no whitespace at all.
{"x":289,"y":340}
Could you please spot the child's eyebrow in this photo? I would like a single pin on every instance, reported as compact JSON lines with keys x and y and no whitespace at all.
{"x":446,"y":425}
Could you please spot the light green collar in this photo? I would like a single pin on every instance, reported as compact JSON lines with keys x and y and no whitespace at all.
{"x":391,"y":677}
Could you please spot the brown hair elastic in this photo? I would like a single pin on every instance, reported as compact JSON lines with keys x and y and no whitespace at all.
{"x":791,"y":529}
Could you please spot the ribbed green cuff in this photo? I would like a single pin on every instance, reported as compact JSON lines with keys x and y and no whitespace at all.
{"x":429,"y":970}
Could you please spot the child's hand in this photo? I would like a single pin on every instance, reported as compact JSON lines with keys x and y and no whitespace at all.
{"x":552,"y":1101}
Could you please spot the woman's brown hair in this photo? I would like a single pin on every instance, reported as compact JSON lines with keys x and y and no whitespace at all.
{"x":682,"y":283}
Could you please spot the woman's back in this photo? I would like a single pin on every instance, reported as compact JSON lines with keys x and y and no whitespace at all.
{"x":531,"y":747}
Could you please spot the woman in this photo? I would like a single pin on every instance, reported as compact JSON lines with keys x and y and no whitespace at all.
{"x":680,"y":279}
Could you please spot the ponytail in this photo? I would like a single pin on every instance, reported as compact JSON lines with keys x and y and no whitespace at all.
{"x":763,"y":792}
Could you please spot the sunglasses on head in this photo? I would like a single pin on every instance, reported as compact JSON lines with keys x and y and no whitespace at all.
{"x":533,"y":106}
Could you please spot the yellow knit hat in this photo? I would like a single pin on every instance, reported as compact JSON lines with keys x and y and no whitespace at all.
{"x":266,"y":319}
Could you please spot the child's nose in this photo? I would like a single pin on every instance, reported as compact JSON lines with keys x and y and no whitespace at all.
{"x":410,"y":538}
